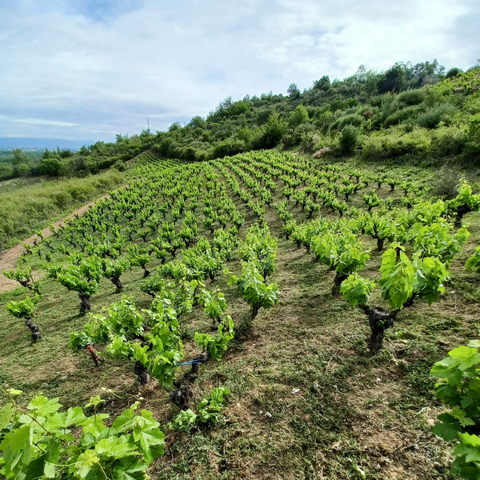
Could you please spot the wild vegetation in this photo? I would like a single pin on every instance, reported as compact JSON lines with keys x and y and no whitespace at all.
{"x":278,"y":314}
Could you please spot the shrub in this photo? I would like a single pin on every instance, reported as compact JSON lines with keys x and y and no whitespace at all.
{"x":412,"y":97}
{"x":229,"y":147}
{"x":434,"y":115}
{"x":400,"y":116}
{"x":273,"y":132}
{"x":348,"y":139}
{"x":295,"y":136}
{"x":239,"y":107}
{"x":453,"y":72}
{"x":352,"y":119}
{"x":298,"y":116}
{"x":446,"y":181}
{"x":448,"y":141}
{"x":49,"y":166}
{"x":396,"y":143}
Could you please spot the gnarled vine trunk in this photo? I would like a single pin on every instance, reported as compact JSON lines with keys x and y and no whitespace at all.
{"x":85,"y":303}
{"x":36,"y":335}
{"x":379,"y":320}
{"x":142,"y":373}
{"x":337,"y":281}
{"x":183,"y":394}
{"x":116,"y":281}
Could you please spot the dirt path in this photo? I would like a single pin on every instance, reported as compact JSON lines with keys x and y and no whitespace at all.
{"x":9,"y":258}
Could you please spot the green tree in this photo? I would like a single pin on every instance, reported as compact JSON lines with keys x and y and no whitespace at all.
{"x":19,"y":157}
{"x":299,"y":116}
{"x":293,"y":91}
{"x":49,"y":165}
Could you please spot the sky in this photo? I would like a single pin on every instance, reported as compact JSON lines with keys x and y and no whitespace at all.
{"x":90,"y":69}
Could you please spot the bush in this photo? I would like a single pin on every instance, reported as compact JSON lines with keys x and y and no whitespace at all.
{"x":49,"y":166}
{"x":6,"y":171}
{"x":348,"y":139}
{"x":352,"y":119}
{"x":273,"y":132}
{"x":446,"y":181}
{"x":295,"y":136}
{"x":400,"y":116}
{"x":298,"y":116}
{"x":411,"y":97}
{"x":396,"y":143}
{"x":453,"y":72}
{"x":448,"y":141}
{"x":434,"y":115}
{"x":229,"y":147}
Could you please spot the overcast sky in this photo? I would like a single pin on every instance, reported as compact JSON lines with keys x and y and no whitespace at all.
{"x":89,"y":69}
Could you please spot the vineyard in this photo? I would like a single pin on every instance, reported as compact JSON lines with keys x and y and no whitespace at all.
{"x":266,"y":315}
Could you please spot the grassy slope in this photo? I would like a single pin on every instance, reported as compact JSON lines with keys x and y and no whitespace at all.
{"x":31,"y":204}
{"x":349,"y":408}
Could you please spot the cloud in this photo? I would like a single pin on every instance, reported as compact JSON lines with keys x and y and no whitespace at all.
{"x":94,"y":68}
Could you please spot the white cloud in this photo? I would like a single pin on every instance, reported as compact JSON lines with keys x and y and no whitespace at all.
{"x":87,"y":69}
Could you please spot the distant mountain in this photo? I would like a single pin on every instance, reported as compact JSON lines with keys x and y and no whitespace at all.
{"x":9,"y":143}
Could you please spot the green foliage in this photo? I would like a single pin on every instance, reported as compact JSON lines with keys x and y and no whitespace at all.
{"x":299,"y":116}
{"x":209,"y":411}
{"x":228,"y":147}
{"x":339,"y":250}
{"x":473,"y":262}
{"x":216,"y":346}
{"x":44,"y":442}
{"x":254,"y":289}
{"x":464,"y":202}
{"x":50,"y":166}
{"x":161,"y":347}
{"x":348,"y":139}
{"x":411,"y":97}
{"x":24,"y":308}
{"x":184,"y":421}
{"x":210,"y":408}
{"x":273,"y":131}
{"x":357,"y":290}
{"x":261,"y":248}
{"x":24,"y":277}
{"x":459,"y":389}
{"x":402,"y":278}
{"x":434,"y":115}
{"x":353,"y":119}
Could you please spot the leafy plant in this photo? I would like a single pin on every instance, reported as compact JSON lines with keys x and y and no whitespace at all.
{"x":42,"y":441}
{"x":254,"y":288}
{"x":459,"y":390}
{"x":25,"y":309}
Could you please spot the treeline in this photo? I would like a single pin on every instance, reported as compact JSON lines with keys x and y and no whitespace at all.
{"x":409,"y":110}
{"x":415,"y":110}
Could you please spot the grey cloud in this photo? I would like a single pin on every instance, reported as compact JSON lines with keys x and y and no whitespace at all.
{"x":105,"y":66}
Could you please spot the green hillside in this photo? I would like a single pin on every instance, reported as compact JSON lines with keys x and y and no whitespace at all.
{"x":272,"y":311}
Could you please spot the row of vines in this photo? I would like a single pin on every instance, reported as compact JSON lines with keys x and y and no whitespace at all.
{"x":180,"y":226}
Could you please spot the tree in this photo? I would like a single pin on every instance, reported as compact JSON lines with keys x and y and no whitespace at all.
{"x":395,"y":78}
{"x":322,"y":84}
{"x":293,"y":91}
{"x":299,"y":116}
{"x":348,"y":139}
{"x":19,"y":157}
{"x":22,"y":170}
{"x":453,"y":72}
{"x":273,"y":132}
{"x":49,"y":165}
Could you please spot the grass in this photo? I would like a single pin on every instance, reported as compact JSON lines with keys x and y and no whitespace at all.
{"x":28,"y":205}
{"x":332,"y":408}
